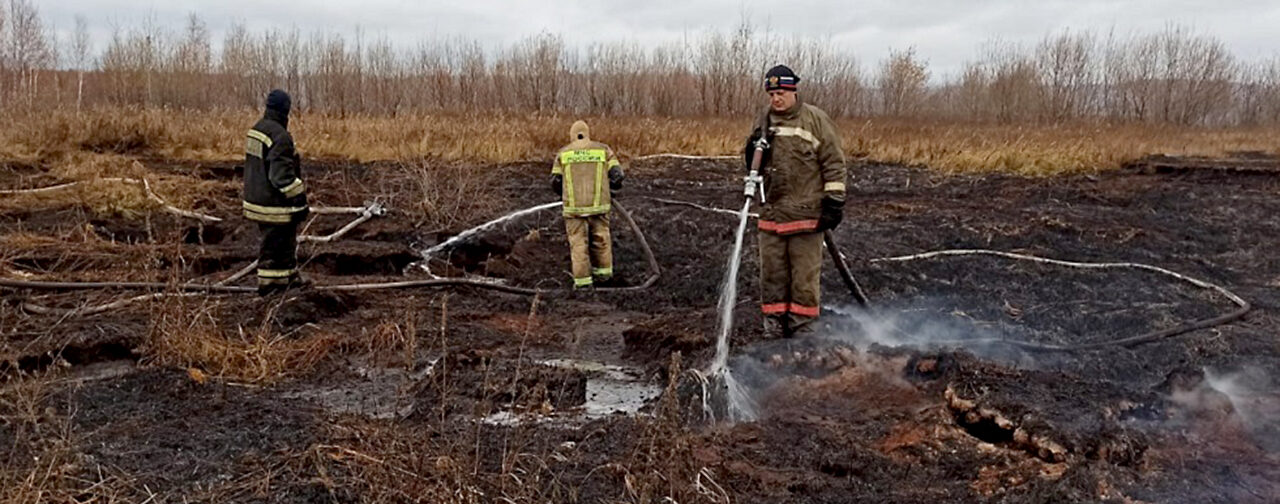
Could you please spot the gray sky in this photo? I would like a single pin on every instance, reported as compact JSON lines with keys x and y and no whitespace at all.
{"x":945,"y":32}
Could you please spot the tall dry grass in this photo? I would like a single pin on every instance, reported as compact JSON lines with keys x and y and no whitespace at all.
{"x":104,"y":142}
{"x":190,"y":332}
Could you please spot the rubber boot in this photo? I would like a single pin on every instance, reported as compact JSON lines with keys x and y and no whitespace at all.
{"x":775,"y":328}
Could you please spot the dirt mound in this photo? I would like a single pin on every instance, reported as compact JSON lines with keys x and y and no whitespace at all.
{"x":1242,"y":162}
{"x":76,"y":343}
{"x":652,"y":340}
{"x":840,"y":420}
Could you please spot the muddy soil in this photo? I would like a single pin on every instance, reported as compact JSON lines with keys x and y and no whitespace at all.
{"x":464,"y":394}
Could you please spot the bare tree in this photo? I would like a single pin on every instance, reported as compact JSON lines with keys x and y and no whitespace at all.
{"x":1171,"y":76}
{"x":1065,"y":63}
{"x":1014,"y":89}
{"x":80,"y":50}
{"x":237,"y":65}
{"x":1259,"y":94}
{"x":903,"y":82}
{"x":131,"y":63}
{"x":27,"y":50}
{"x":189,"y":65}
{"x":971,"y":96}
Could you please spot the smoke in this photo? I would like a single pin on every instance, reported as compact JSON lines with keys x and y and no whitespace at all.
{"x":1254,"y":399}
{"x":1238,"y":403}
{"x":845,"y":339}
{"x":923,"y":328}
{"x":846,"y":336}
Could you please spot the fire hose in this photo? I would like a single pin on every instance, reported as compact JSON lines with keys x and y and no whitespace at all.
{"x":366,"y":212}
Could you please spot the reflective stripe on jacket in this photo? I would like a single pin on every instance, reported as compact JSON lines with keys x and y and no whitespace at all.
{"x":585,"y":166}
{"x":273,"y":188}
{"x":805,"y":165}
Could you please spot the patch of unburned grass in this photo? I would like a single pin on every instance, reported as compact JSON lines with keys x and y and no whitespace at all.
{"x":185,"y":332}
{"x":110,"y":185}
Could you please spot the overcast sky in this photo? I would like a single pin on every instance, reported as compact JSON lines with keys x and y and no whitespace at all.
{"x":945,"y":32}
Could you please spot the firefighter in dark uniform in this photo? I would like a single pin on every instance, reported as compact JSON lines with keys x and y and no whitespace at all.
{"x":804,"y":182}
{"x":274,"y":195}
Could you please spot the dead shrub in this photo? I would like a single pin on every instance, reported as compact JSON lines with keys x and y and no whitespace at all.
{"x":451,"y":193}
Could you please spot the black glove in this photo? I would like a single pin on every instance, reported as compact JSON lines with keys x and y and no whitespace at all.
{"x":615,"y":179}
{"x":749,"y":150}
{"x":557,"y":184}
{"x":832,"y":214}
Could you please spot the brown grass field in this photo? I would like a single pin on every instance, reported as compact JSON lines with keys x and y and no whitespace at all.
{"x":951,"y":147}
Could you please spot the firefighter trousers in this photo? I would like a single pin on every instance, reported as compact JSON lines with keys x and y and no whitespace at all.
{"x":590,"y":248}
{"x":790,"y":278}
{"x":278,"y":257}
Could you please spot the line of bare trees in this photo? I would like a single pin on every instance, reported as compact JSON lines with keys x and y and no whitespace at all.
{"x":1173,"y":76}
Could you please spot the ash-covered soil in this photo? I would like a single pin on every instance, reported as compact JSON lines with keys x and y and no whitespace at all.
{"x":472,"y":395}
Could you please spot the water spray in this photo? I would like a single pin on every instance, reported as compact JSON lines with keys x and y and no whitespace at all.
{"x":723,"y":396}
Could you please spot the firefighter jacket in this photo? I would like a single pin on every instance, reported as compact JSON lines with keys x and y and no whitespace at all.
{"x":585,"y":166}
{"x":273,"y":189}
{"x":805,"y":164}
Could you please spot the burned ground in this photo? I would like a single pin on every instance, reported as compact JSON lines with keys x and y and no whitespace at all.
{"x":379,"y":395}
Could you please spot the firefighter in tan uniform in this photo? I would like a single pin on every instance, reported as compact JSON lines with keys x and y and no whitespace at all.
{"x":804,"y":177}
{"x":584,"y":173}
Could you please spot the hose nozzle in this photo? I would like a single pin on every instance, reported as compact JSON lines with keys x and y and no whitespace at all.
{"x":753,"y":182}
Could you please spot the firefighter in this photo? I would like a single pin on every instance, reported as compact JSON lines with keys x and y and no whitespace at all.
{"x":804,"y":185}
{"x":579,"y":175}
{"x":274,"y":195}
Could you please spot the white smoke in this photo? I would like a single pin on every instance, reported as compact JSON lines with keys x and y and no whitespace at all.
{"x":1255,"y":400}
{"x":923,"y":329}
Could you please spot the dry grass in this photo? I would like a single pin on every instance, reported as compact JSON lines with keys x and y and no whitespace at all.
{"x":1042,"y":150}
{"x":40,"y":446}
{"x":185,"y":332}
{"x":102,"y":142}
{"x":101,"y":190}
{"x":448,"y":194}
{"x":43,"y":458}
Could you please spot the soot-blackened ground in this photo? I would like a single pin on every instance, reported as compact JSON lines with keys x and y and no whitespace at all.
{"x":845,"y":414}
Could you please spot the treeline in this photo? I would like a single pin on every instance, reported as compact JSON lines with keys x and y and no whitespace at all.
{"x":1174,"y":76}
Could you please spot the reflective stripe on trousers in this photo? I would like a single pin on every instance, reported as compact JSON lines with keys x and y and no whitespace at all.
{"x":790,"y":275}
{"x":277,"y":258}
{"x":590,"y":247}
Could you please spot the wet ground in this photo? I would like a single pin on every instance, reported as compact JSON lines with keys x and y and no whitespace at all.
{"x":472,"y":395}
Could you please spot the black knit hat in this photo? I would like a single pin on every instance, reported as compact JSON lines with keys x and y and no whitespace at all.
{"x":279,"y":101}
{"x":780,"y":77}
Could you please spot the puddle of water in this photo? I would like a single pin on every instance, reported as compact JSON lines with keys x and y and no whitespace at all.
{"x":610,"y":397}
{"x":378,"y":395}
{"x":611,"y":390}
{"x":609,"y":371}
